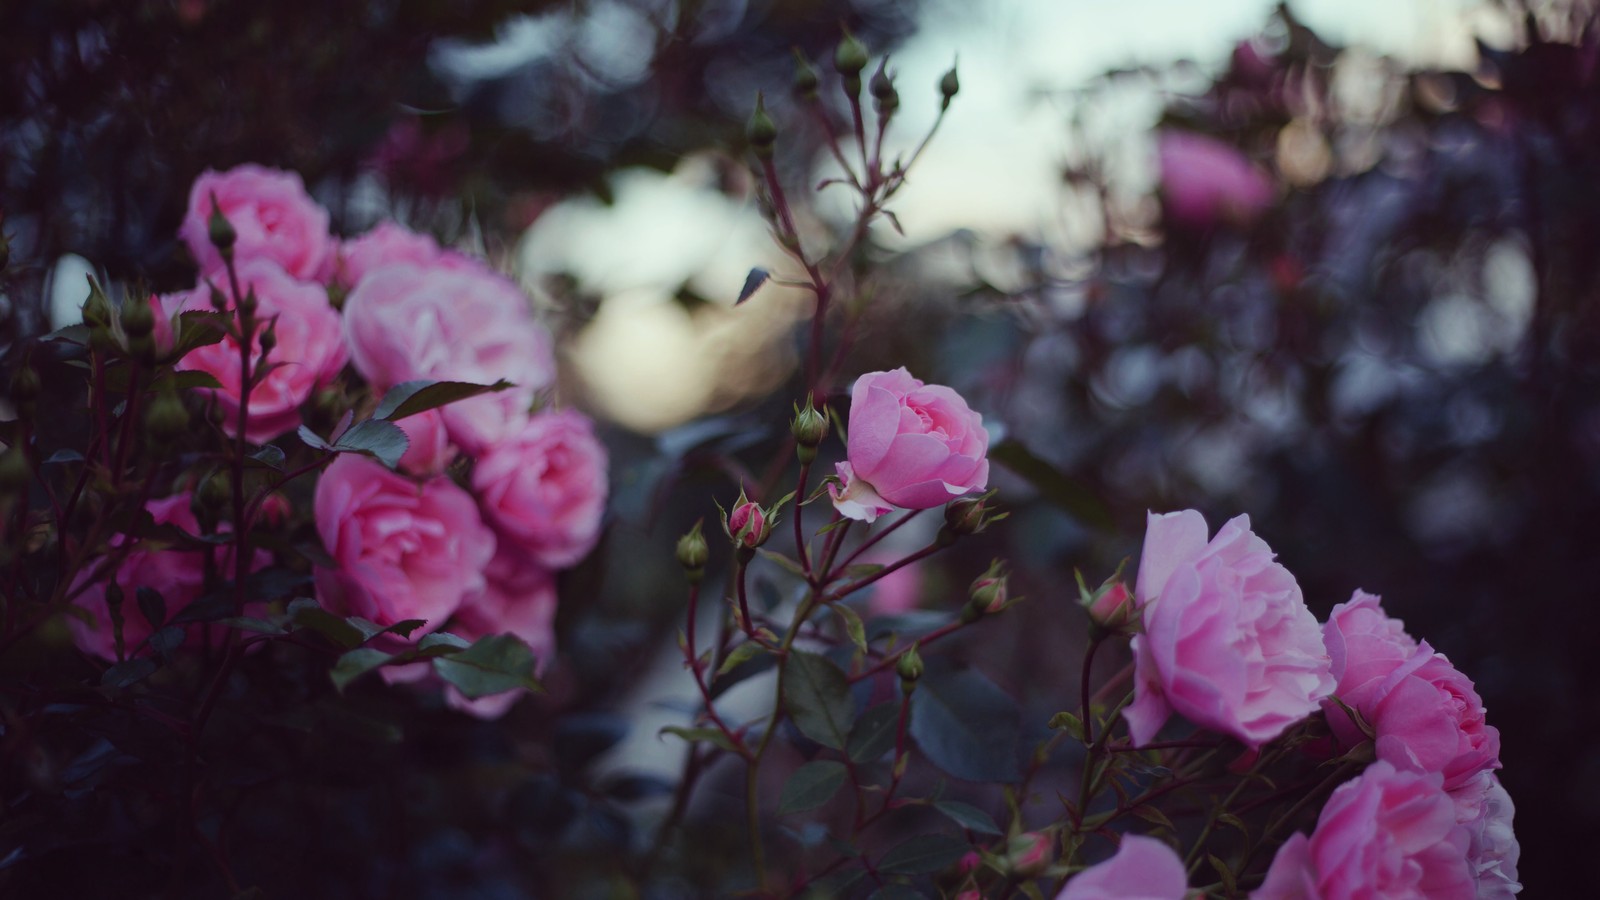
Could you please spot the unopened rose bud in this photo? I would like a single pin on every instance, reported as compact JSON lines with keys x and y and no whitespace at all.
{"x":1029,"y":854}
{"x":216,"y":493}
{"x":138,"y":320}
{"x":269,"y":338}
{"x":219,"y":230}
{"x":910,"y":668}
{"x":15,"y":472}
{"x":810,"y":429}
{"x":748,"y":524}
{"x":989,"y":590}
{"x":275,"y":509}
{"x":248,"y":303}
{"x":805,"y":77}
{"x":96,"y":309}
{"x":219,"y":300}
{"x":884,"y":96}
{"x":760,"y":131}
{"x":850,"y":57}
{"x":693,"y":553}
{"x":25,"y":388}
{"x":965,"y":516}
{"x":949,"y":85}
{"x":166,"y":418}
{"x":1111,"y":607}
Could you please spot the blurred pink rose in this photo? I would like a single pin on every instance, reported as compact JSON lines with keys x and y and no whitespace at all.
{"x":406,"y":322}
{"x":1424,"y":712}
{"x":428,"y":448}
{"x":310,"y":349}
{"x":544,"y":487}
{"x":270,"y":211}
{"x":912,"y":445}
{"x":405,"y":551}
{"x":520,"y":599}
{"x":1205,"y":182}
{"x":1485,"y":809}
{"x":1143,"y":869}
{"x":1228,"y":641}
{"x":1386,"y":834}
{"x":389,"y":243}
{"x":178,"y":575}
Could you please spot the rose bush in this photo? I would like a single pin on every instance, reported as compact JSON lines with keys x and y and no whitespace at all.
{"x":912,"y":445}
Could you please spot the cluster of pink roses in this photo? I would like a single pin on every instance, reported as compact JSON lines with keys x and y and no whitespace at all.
{"x":1229,"y":643}
{"x":411,"y":544}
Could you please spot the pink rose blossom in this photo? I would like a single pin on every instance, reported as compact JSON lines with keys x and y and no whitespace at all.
{"x":1205,"y":182}
{"x":177,"y":575}
{"x":389,"y":243}
{"x":405,"y":551}
{"x":428,"y":448}
{"x":1424,"y":712}
{"x":1143,"y":869}
{"x":406,"y":322}
{"x":1486,"y":810}
{"x":1228,"y":641}
{"x":912,"y":445}
{"x":270,"y":211}
{"x":520,"y":599}
{"x":1387,"y":834}
{"x":544,"y":487}
{"x":309,"y":353}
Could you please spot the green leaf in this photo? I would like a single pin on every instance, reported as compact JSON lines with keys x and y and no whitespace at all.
{"x":384,"y":441}
{"x":307,"y":614}
{"x":713,"y":736}
{"x":355,"y":663}
{"x":786,"y":563}
{"x":740,"y":655}
{"x":152,"y":605}
{"x":370,"y":629}
{"x":862,"y":570}
{"x":197,"y":328}
{"x":1224,"y":872}
{"x":213,"y":606}
{"x":312,"y":440}
{"x":1071,"y":724}
{"x":968,"y":816}
{"x":268,"y":457}
{"x":817,"y":695}
{"x":492,"y":665}
{"x":411,"y":397}
{"x":852,"y":626}
{"x":967,"y":726}
{"x":128,"y":672}
{"x":812,"y":785}
{"x":875,"y":733}
{"x":1154,"y":816}
{"x":923,"y":855}
{"x":752,"y":283}
{"x":1053,"y":484}
{"x":251,"y":623}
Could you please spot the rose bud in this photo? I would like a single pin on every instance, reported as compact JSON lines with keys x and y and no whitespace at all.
{"x":1110,"y":606}
{"x":748,"y":525}
{"x":693,"y":553}
{"x":810,"y":429}
{"x":1030,"y":853}
{"x":909,"y":667}
{"x":989,"y":590}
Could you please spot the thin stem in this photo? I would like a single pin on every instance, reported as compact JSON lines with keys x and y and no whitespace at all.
{"x":874,"y":539}
{"x":799,"y":533}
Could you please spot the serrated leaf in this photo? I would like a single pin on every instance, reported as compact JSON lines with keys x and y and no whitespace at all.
{"x":968,"y":816}
{"x":811,"y":785}
{"x":370,"y":629}
{"x":923,"y":855}
{"x":311,"y":439}
{"x":852,"y":626}
{"x":817,"y":695}
{"x":752,"y":283}
{"x":307,"y":614}
{"x":355,"y":663}
{"x":967,"y":726}
{"x":875,"y":733}
{"x":740,"y":655}
{"x":712,"y":736}
{"x":197,"y":328}
{"x":411,"y":397}
{"x":269,"y":456}
{"x":492,"y":665}
{"x":382,"y":440}
{"x":128,"y":672}
{"x":1154,"y":816}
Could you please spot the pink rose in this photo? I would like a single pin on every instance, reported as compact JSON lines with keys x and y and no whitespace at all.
{"x":544,"y":487}
{"x":270,"y":211}
{"x":405,"y":551}
{"x":1424,"y":712}
{"x":407,"y":322}
{"x":1228,"y":641}
{"x":520,"y":599}
{"x":428,"y":448}
{"x":1143,"y":869}
{"x":1205,"y":182}
{"x":1387,"y":834}
{"x":1484,"y":808}
{"x":389,"y":243}
{"x":177,"y":575}
{"x":911,"y":445}
{"x":309,"y":353}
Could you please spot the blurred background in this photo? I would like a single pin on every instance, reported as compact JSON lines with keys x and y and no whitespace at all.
{"x":1331,"y":264}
